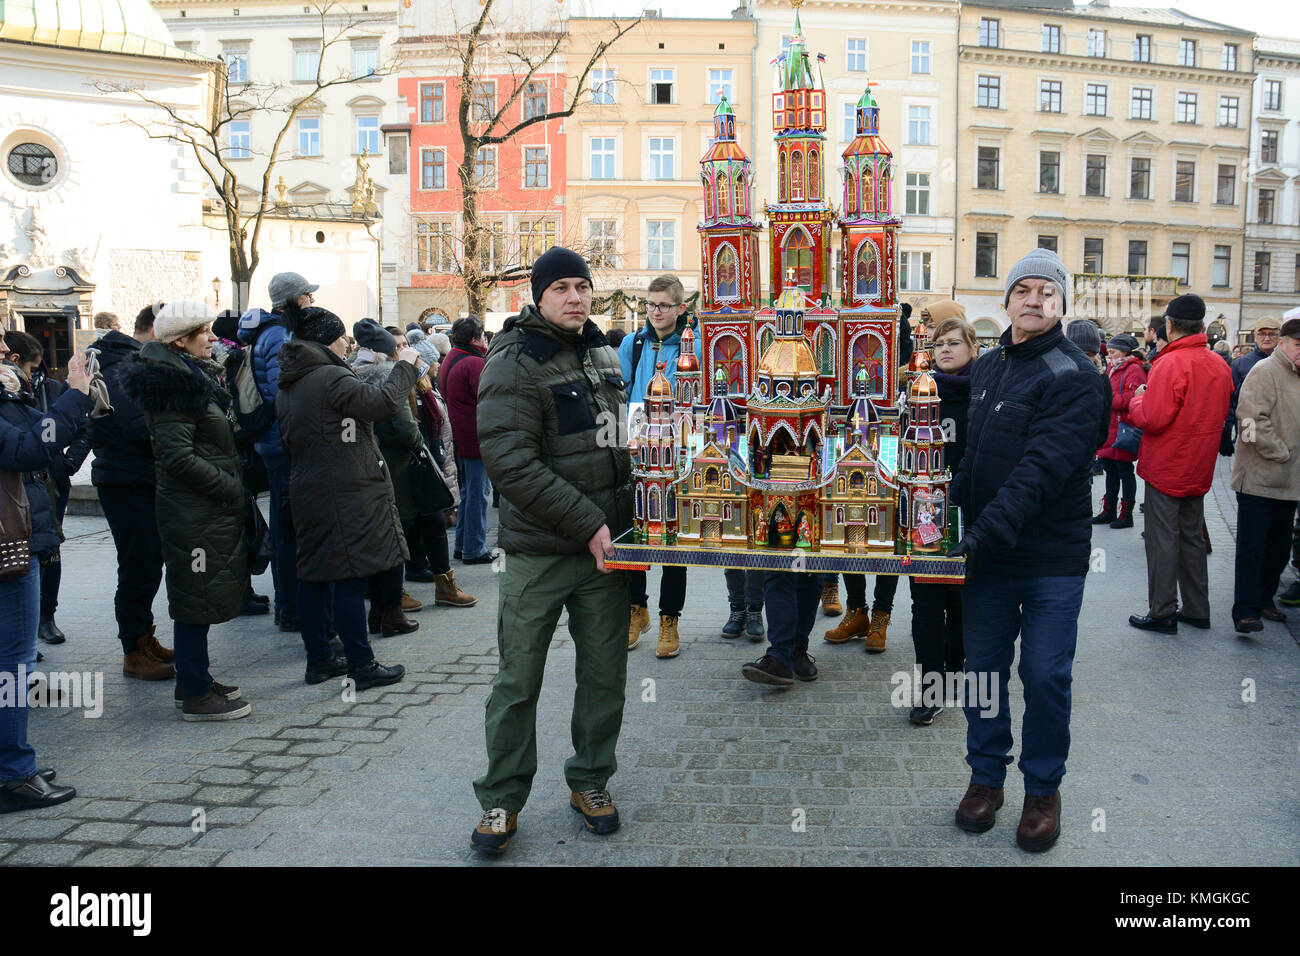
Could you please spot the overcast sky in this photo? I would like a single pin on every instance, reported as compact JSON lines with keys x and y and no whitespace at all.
{"x":1273,"y":17}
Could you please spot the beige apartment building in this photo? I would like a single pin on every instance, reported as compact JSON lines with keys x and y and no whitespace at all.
{"x":907,"y":51}
{"x":634,"y":145}
{"x":1118,"y":137}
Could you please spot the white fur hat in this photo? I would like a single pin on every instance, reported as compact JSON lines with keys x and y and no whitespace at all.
{"x":176,"y":320}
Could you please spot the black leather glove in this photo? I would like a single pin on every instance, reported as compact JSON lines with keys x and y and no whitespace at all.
{"x":966,"y":548}
{"x":1226,"y":444}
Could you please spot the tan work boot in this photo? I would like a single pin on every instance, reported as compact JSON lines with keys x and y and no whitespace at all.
{"x":639,"y":625}
{"x":876,"y":632}
{"x":446,"y":592}
{"x":142,"y":665}
{"x":831,"y":606}
{"x":855,"y":624}
{"x":668,"y":644}
{"x":155,"y":650}
{"x":410,"y":605}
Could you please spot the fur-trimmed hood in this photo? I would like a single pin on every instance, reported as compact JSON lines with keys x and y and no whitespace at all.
{"x":161,"y":381}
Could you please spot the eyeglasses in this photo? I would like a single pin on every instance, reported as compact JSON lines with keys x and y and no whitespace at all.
{"x":661,"y":306}
{"x":1265,"y":335}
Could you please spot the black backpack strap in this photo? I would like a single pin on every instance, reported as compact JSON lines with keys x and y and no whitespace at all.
{"x":638,"y":346}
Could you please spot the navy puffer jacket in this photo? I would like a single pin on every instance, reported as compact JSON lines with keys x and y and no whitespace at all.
{"x":123,"y":455}
{"x":1038,"y":411}
{"x":265,"y":333}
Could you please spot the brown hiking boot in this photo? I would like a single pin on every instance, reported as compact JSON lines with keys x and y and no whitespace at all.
{"x":150,"y":643}
{"x":394,"y":621}
{"x":142,"y":665}
{"x":213,"y":706}
{"x":978,"y":808}
{"x":668,"y":643}
{"x":640,"y":623}
{"x":1040,"y":823}
{"x":876,"y":632}
{"x":410,"y":605}
{"x":855,"y":624}
{"x":448,"y":594}
{"x":493,"y":833}
{"x":831,"y":606}
{"x":597,"y":809}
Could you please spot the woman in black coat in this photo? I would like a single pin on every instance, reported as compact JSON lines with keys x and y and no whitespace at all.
{"x":200,"y":497}
{"x":26,"y":448}
{"x":344,"y":512}
{"x":936,"y":608}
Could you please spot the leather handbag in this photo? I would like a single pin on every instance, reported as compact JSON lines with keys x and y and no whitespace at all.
{"x":430,"y":491}
{"x":15,"y":527}
{"x":1127,"y":438}
{"x":257,"y":536}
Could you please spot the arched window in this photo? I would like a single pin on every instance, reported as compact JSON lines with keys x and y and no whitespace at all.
{"x":855,"y":481}
{"x":902,"y":507}
{"x":796,"y":175}
{"x":654,"y":511}
{"x":798,"y":256}
{"x":654,"y":455}
{"x":640,"y":501}
{"x":708,"y":201}
{"x":866,"y":271}
{"x":730,"y":357}
{"x":850,"y":192}
{"x":936,"y":459}
{"x":882,"y":191}
{"x":826,"y":351}
{"x":782,"y":183}
{"x":741,"y":205}
{"x":724,"y":196}
{"x":922,"y":462}
{"x":765,"y":339}
{"x":711,"y":476}
{"x":672,"y":506}
{"x":726,"y":273}
{"x":814,"y":174}
{"x":866,"y":191}
{"x":869,"y":354}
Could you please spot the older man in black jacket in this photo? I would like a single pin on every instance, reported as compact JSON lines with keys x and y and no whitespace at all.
{"x":1038,"y":411}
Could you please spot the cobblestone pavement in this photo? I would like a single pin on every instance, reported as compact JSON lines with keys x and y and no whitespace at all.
{"x":1166,"y":753}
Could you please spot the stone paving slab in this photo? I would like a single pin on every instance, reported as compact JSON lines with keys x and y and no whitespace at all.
{"x":1169,"y":764}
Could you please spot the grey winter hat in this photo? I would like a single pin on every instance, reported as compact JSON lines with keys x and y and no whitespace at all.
{"x":1040,"y":264}
{"x":288,"y":285}
{"x":1085,"y":334}
{"x":1124,"y":342}
{"x":420,"y":342}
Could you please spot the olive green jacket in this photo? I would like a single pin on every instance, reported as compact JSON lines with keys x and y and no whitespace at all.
{"x":550,"y":426}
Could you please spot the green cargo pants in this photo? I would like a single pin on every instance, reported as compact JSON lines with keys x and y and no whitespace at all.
{"x":532,"y":592}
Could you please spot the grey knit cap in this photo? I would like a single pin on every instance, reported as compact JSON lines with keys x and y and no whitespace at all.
{"x":1040,"y":264}
{"x":1124,"y":342}
{"x":1085,"y":334}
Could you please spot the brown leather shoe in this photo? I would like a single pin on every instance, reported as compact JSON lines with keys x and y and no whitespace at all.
{"x":978,"y":809}
{"x":394,"y":621}
{"x":150,"y":643}
{"x":142,"y":665}
{"x":1040,"y":823}
{"x":1272,"y":614}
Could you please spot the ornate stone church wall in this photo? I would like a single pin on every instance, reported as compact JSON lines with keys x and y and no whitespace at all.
{"x":138,"y":277}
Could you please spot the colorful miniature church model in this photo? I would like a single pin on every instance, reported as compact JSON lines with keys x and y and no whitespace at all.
{"x":792,"y":435}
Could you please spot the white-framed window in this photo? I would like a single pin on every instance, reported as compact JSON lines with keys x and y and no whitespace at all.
{"x":1094,"y":251}
{"x":1180,"y":262}
{"x":1272,"y":94}
{"x":988,"y":91}
{"x":433,"y":169}
{"x":1051,"y":38}
{"x":1142,"y":48}
{"x":1229,"y":111}
{"x":663,"y":157}
{"x":236,"y":63}
{"x":1186,"y":52}
{"x":662,"y":83}
{"x":661,"y":244}
{"x":1268,"y":143}
{"x":309,"y":136}
{"x":1222,"y":267}
{"x":483,"y":105}
{"x":365,"y":57}
{"x":990,"y":29}
{"x":537,"y":167}
{"x":306,"y":61}
{"x":1049,"y":96}
{"x":856,"y":54}
{"x":535,"y":237}
{"x":918,"y":126}
{"x":1137,"y":257}
{"x":432,"y":102}
{"x":368,"y":134}
{"x":1049,"y":171}
{"x":722,"y":80}
{"x":602,"y":243}
{"x":536,"y":100}
{"x":1185,"y":180}
{"x":601,"y":157}
{"x":485,"y":167}
{"x":491,"y":246}
{"x":434,"y":247}
{"x":603,"y":83}
{"x":1141,"y":100}
{"x":1094,"y":175}
{"x":1185,"y":111}
{"x":914,"y":271}
{"x":988,"y":167}
{"x":1096,"y":43}
{"x":921,"y":56}
{"x":1096,"y":99}
{"x":1228,"y":57}
{"x":917,"y":194}
{"x":986,"y":255}
{"x":1139,"y":177}
{"x":1225,"y":192}
{"x":849,"y":121}
{"x":240,"y":136}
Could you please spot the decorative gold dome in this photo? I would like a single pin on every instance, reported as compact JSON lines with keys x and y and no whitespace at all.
{"x":686,"y":360}
{"x":659,"y":386}
{"x":924,"y":387}
{"x":788,"y":358}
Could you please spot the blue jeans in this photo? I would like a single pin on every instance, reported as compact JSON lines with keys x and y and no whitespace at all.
{"x":1044,"y":613}
{"x":284,"y":559}
{"x":471,"y":520}
{"x":190,"y":642}
{"x":20,"y":607}
{"x":744,"y":589}
{"x":791,"y":600}
{"x":323,"y":604}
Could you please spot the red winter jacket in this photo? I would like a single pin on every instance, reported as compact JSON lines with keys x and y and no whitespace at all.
{"x":1124,"y":381}
{"x":1181,"y":415}
{"x":458,"y":381}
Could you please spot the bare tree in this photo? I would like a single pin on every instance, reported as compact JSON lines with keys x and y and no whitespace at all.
{"x":525,"y":54}
{"x":207,"y":136}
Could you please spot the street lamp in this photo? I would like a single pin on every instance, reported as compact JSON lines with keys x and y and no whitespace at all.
{"x":216,"y":291}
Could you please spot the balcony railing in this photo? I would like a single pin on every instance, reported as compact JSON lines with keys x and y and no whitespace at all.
{"x":1121,"y":303}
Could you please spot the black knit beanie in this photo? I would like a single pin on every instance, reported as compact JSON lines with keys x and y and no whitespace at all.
{"x":312,"y":323}
{"x":371,"y":335}
{"x":1189,"y":307}
{"x":557,"y":263}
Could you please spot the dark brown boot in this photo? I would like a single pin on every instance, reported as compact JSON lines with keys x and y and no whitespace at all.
{"x":394,"y":622}
{"x":157,"y":651}
{"x":978,"y":809}
{"x":1040,"y":823}
{"x":142,"y":665}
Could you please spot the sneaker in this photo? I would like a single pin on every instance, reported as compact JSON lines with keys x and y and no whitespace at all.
{"x":375,"y":674}
{"x":597,"y":809}
{"x":768,"y":670}
{"x":223,"y":690}
{"x":213,"y":706}
{"x":320,"y":671}
{"x":1291,"y":596}
{"x":669,"y":643}
{"x":924,"y":716}
{"x":493,"y":833}
{"x":735,"y":623}
{"x":805,"y":668}
{"x":638,"y":625}
{"x":754,"y":625}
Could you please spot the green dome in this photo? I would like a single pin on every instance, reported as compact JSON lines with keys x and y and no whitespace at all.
{"x":107,"y":26}
{"x":724,"y":107}
{"x":867,"y":100}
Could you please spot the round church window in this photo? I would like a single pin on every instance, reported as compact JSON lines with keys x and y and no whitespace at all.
{"x":33,"y":164}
